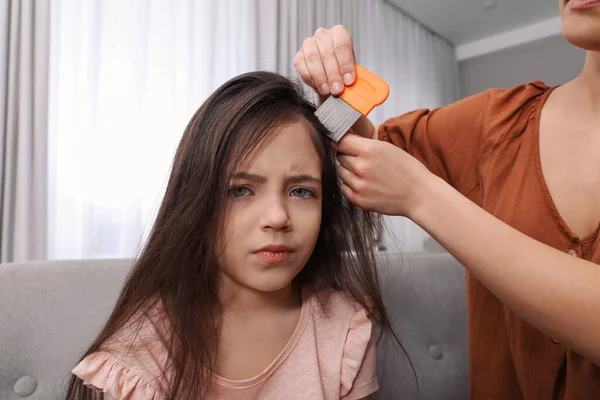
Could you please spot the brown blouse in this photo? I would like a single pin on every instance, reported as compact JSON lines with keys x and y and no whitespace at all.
{"x":487,"y":147}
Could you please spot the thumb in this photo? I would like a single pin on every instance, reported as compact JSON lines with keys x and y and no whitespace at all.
{"x":352,"y":144}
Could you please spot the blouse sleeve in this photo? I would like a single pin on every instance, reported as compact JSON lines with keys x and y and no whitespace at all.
{"x":103,"y":372}
{"x":450,"y":140}
{"x":358,"y":378}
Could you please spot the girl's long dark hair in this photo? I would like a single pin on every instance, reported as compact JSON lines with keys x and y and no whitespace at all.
{"x":177,"y":267}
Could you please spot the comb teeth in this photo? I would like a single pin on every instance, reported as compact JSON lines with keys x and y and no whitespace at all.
{"x":337,"y":116}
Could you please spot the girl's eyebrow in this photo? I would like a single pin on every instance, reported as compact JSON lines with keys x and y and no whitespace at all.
{"x":303,"y":178}
{"x":249,"y":177}
{"x":290,"y":179}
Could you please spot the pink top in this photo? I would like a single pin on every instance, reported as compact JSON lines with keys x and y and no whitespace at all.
{"x":326,"y":358}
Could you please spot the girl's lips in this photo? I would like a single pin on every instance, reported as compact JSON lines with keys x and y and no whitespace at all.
{"x":276,"y":247}
{"x":273,"y":256}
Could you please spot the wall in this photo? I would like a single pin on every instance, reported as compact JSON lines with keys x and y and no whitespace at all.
{"x":552,"y":60}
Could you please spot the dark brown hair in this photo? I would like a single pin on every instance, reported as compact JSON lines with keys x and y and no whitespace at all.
{"x":177,"y":266}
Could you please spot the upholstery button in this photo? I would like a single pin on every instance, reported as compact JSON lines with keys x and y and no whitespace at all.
{"x":572,"y":252}
{"x":435,"y":352}
{"x":25,"y":386}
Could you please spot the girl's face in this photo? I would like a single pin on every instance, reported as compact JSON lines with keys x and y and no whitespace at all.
{"x":581,"y":23}
{"x":274,"y":211}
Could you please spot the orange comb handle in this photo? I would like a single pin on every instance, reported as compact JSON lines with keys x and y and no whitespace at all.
{"x":367,"y":91}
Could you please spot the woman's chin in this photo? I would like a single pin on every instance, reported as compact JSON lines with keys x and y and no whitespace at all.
{"x":582,"y":31}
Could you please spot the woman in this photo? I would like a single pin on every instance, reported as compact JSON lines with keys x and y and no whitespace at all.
{"x":530,"y":157}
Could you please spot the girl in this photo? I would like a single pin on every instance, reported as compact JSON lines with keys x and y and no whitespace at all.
{"x":256,"y":276}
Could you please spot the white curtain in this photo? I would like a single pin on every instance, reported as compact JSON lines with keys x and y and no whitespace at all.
{"x":24,"y":46}
{"x":127,"y":75}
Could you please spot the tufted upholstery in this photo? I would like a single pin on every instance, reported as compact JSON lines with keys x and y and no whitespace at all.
{"x":425,"y":297}
{"x":50,"y":311}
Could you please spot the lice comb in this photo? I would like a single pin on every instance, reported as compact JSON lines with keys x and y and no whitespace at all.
{"x":338,"y":114}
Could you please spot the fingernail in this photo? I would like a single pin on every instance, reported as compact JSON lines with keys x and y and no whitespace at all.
{"x":348,"y":78}
{"x":337,"y":87}
{"x":324,"y":88}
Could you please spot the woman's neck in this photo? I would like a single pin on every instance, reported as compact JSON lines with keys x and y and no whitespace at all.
{"x":585,"y":89}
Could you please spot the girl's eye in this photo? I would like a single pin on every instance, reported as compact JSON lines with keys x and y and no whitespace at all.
{"x":303,"y":193}
{"x":239,"y":191}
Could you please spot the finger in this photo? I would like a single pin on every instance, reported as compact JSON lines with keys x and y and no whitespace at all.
{"x":348,"y":162}
{"x":302,"y":69}
{"x":348,"y":178}
{"x":328,"y":57}
{"x":350,"y":194}
{"x":344,"y":52}
{"x":312,"y":56}
{"x":352,"y":144}
{"x":334,"y":144}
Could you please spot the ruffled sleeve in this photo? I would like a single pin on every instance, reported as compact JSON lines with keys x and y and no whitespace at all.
{"x":106,"y":373}
{"x":358,"y":375}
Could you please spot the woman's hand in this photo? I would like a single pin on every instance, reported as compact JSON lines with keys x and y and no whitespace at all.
{"x":381,"y":177}
{"x":326,"y":61}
